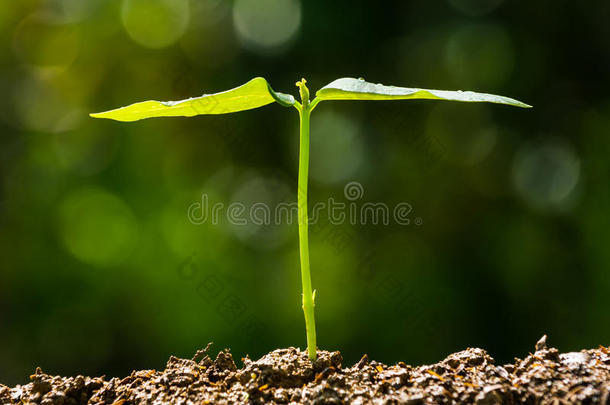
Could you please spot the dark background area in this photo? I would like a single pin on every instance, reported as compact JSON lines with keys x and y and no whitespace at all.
{"x":102,"y":272}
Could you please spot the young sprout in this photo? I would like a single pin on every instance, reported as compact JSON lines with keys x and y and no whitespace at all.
{"x":257,"y":93}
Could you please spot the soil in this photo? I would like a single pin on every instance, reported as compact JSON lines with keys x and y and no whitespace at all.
{"x":286,"y":376}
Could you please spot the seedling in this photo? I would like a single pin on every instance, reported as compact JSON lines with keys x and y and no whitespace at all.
{"x":257,"y":93}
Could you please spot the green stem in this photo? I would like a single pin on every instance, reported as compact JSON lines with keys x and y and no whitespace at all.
{"x":308,"y":295}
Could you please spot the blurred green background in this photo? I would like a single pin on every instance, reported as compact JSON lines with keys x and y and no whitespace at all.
{"x":101,"y":271}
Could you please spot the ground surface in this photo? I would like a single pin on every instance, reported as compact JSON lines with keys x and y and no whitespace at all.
{"x":286,"y":376}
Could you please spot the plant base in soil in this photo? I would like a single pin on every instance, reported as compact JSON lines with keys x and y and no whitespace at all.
{"x":287,"y":376}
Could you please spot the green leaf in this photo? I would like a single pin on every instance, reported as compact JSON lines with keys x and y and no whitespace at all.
{"x":357,"y":89}
{"x":256,"y":93}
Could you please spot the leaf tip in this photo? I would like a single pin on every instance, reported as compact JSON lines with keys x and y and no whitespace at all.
{"x":104,"y":114}
{"x":522,"y":105}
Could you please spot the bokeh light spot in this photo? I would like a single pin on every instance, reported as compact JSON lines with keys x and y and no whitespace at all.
{"x":70,"y":11}
{"x":266,"y":24}
{"x":337,"y":148}
{"x":480,"y":56}
{"x":210,"y":45}
{"x":42,"y":44}
{"x":39,"y":105}
{"x":210,"y":40}
{"x":97,"y":227}
{"x":210,"y":12}
{"x":185,"y":238}
{"x":546,"y":174}
{"x":155,"y":23}
{"x":261,"y":195}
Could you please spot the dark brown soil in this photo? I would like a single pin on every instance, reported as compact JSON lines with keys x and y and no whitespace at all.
{"x":286,"y":376}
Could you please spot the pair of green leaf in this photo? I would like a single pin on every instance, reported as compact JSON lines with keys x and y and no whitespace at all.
{"x":257,"y":93}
